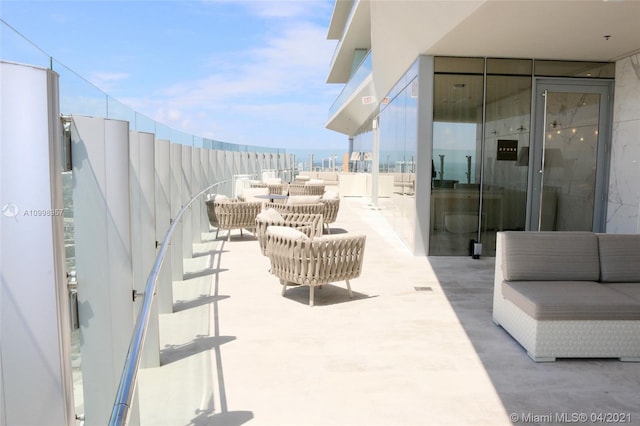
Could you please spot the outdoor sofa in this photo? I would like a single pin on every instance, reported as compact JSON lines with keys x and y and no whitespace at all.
{"x":569,"y":294}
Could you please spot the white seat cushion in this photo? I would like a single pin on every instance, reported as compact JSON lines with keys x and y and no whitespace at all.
{"x":330,"y":195}
{"x":270,"y":215}
{"x":303,"y":199}
{"x":287,"y":232}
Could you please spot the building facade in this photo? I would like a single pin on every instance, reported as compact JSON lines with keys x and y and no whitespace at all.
{"x":500,"y":115}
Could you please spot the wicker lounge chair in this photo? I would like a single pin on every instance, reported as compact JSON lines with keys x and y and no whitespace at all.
{"x":234,"y":214}
{"x":331,"y":203}
{"x":306,"y":208}
{"x":297,"y":259}
{"x":310,"y":224}
{"x":274,"y":188}
{"x":305,"y":189}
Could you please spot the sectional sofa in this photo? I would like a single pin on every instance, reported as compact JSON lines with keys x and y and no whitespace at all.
{"x":569,"y":294}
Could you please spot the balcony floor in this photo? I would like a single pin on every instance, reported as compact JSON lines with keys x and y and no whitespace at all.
{"x":236,"y":352}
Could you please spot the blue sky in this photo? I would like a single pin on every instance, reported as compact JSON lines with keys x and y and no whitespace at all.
{"x":246,"y":72}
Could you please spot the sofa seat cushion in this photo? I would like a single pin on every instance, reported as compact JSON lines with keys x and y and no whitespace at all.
{"x":619,"y":257}
{"x":551,"y":256}
{"x":628,"y":289}
{"x":570,"y":300}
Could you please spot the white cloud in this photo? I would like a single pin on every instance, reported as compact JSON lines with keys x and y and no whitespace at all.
{"x":277,"y":85}
{"x":106,"y":80}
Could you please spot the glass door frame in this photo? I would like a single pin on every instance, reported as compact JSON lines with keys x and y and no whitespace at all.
{"x":542,"y":85}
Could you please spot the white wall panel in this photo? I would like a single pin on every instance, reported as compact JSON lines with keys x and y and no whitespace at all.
{"x":143,"y":232}
{"x":238,"y":168}
{"x":100,"y":150}
{"x":185,"y":191}
{"x":35,"y":367}
{"x":177,"y":256}
{"x":197,"y":185}
{"x":206,"y":181}
{"x":162,"y":191}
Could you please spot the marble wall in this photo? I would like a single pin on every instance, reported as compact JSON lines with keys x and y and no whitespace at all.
{"x":623,"y":212}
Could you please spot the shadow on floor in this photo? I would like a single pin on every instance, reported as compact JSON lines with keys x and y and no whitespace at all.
{"x":173,"y":353}
{"x":328,"y":294}
{"x":570,"y":385}
{"x":203,"y":299}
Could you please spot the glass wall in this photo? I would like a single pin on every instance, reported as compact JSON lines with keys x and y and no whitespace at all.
{"x":506,"y":159}
{"x":457,"y":156}
{"x":482,"y":121}
{"x":398,"y":120}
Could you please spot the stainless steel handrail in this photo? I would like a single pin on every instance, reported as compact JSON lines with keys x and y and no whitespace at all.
{"x":129,"y":377}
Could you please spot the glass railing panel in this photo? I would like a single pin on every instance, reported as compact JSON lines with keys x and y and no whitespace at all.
{"x":354,"y":7}
{"x":363,"y":71}
{"x":77,"y":95}
{"x":146,"y":124}
{"x":16,"y":48}
{"x":116,"y":110}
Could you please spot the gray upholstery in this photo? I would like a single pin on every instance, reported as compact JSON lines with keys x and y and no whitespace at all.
{"x":628,"y":289}
{"x":551,"y":256}
{"x":570,"y":300}
{"x":619,"y":258}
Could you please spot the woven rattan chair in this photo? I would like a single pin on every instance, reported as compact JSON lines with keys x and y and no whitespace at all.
{"x":330,"y":211}
{"x":309,"y":224}
{"x":314,"y":208}
{"x":274,"y":188}
{"x":305,"y":189}
{"x":234,"y":214}
{"x":296,"y":259}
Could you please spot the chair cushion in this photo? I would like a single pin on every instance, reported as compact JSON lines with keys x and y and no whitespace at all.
{"x":330,"y":195}
{"x":303,"y":199}
{"x":287,"y":232}
{"x":249,"y":194}
{"x":272,"y":181}
{"x":619,"y":257}
{"x":570,"y":300}
{"x":551,"y":256}
{"x":629,"y":289}
{"x":270,"y":215}
{"x":218,"y":198}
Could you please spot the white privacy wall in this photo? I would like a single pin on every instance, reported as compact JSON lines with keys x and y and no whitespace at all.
{"x":35,"y":364}
{"x":624,"y":188}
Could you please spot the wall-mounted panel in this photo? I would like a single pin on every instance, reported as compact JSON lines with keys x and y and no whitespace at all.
{"x":35,"y":372}
{"x":186,"y":190}
{"x":100,"y":152}
{"x":162,"y":166}
{"x":198,"y":205}
{"x":177,"y":256}
{"x":143,"y":232}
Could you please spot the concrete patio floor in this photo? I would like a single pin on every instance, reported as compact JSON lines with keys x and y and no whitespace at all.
{"x":236,"y":352}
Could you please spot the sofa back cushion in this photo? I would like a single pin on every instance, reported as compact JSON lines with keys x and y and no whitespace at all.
{"x":619,"y":258}
{"x":550,"y":256}
{"x":303,"y":199}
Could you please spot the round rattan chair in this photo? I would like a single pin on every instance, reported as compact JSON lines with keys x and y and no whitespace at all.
{"x":309,"y":224}
{"x":234,"y":214}
{"x":297,"y":259}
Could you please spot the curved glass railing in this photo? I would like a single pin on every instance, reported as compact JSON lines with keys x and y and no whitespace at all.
{"x":79,"y":96}
{"x":358,"y":77}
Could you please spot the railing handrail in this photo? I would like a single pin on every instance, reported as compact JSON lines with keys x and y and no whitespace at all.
{"x":129,"y":377}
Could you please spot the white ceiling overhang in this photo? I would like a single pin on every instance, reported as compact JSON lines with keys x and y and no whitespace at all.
{"x":581,"y":30}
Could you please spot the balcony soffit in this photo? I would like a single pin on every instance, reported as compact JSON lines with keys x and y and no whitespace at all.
{"x":350,"y":117}
{"x":339,"y":18}
{"x":356,"y":36}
